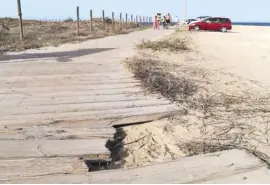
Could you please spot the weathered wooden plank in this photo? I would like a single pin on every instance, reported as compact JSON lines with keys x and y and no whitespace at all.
{"x":84,"y":129}
{"x":87,"y":60}
{"x":67,"y":71}
{"x":38,"y":119}
{"x":50,"y":179}
{"x":56,"y":82}
{"x":40,"y":101}
{"x":92,"y":76}
{"x":8,"y":94}
{"x":49,"y":148}
{"x":12,"y":169}
{"x":72,"y":87}
{"x":36,"y":80}
{"x":48,"y":68}
{"x":234,"y":166}
{"x":186,"y":170}
{"x":73,"y":123}
{"x":56,"y":133}
{"x":45,"y":109}
{"x":257,"y":176}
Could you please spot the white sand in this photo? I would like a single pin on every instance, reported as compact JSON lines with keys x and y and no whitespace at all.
{"x":235,"y":64}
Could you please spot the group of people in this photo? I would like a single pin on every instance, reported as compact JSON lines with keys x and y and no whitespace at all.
{"x":162,"y":20}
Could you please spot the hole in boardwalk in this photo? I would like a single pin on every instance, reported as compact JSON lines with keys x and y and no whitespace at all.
{"x":101,"y":164}
{"x":115,"y":146}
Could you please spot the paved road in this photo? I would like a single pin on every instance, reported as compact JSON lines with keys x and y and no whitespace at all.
{"x":60,"y":102}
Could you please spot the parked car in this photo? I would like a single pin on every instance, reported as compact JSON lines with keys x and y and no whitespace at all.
{"x":187,"y":21}
{"x":213,"y":23}
{"x":202,"y":17}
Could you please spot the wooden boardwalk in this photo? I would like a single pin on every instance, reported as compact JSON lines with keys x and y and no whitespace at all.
{"x":59,"y":105}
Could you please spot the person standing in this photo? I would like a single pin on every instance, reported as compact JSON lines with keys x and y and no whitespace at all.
{"x":162,"y":21}
{"x":176,"y":20}
{"x":156,"y":22}
{"x":158,"y":18}
{"x":167,"y":21}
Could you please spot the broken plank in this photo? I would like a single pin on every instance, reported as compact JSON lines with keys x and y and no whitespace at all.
{"x":226,"y":166}
{"x":257,"y":176}
{"x":185,"y":170}
{"x":140,"y":119}
{"x":38,"y":119}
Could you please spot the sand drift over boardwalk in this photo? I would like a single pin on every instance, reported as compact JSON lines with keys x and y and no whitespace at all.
{"x":226,"y":110}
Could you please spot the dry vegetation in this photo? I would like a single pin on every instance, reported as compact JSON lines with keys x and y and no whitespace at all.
{"x":222,"y":111}
{"x":154,"y":77}
{"x":39,"y":33}
{"x":168,"y":44}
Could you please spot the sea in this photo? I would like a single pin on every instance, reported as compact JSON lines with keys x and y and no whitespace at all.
{"x":251,"y":23}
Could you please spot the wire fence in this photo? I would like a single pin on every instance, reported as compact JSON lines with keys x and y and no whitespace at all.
{"x":25,"y":34}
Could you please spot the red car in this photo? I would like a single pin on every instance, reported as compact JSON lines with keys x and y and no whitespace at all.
{"x":212,"y":23}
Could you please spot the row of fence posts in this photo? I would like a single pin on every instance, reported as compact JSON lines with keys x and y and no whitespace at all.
{"x":143,"y":21}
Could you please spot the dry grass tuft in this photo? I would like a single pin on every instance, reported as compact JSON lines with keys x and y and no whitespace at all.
{"x":155,"y":78}
{"x":170,"y":44}
{"x":204,"y":147}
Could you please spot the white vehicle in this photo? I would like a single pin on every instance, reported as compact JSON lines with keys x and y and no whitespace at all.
{"x":202,"y":17}
{"x":187,"y":21}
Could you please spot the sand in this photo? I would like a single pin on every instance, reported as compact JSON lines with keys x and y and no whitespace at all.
{"x":231,"y":70}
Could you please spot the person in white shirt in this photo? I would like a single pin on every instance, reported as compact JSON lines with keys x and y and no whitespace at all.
{"x":176,"y":20}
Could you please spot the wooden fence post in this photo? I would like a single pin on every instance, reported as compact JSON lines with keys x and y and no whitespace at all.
{"x":78,"y":20}
{"x":121,"y":21}
{"x":91,"y":20}
{"x":136,"y":18}
{"x":103,"y":19}
{"x":20,"y":18}
{"x":113,"y":28}
{"x":126,"y":19}
{"x":131,"y":18}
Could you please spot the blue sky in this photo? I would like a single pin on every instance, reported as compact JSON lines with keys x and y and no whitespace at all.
{"x":237,"y":10}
